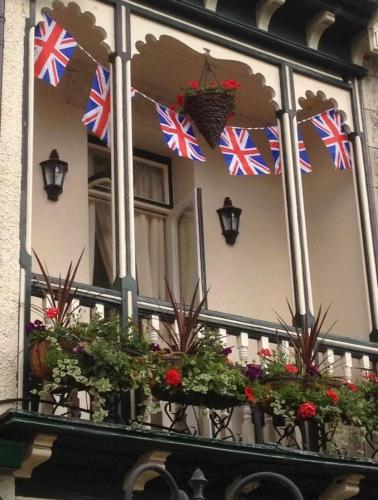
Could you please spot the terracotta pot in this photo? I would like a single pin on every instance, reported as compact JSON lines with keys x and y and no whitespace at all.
{"x":209,"y":111}
{"x":37,"y":355}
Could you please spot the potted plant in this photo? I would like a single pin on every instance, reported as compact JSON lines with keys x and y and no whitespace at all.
{"x":58,"y":315}
{"x":101,"y":358}
{"x":209,"y":102}
{"x":194,"y":368}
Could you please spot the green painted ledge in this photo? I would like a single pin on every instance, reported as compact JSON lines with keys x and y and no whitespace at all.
{"x":11,"y":454}
{"x":19,"y":426}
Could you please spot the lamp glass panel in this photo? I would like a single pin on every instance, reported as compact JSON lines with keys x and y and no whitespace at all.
{"x":226,"y":218}
{"x":49,"y":174}
{"x":59,"y":172}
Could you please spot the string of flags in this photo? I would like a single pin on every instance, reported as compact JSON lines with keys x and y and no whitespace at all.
{"x":53,"y":49}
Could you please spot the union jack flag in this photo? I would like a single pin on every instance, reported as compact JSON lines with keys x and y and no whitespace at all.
{"x":97,"y":112}
{"x":53,"y":48}
{"x":331,"y":131}
{"x":240,"y":153}
{"x":178,"y":133}
{"x":274,"y":144}
{"x":303,"y":156}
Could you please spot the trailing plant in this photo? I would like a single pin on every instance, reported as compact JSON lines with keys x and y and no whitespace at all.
{"x":101,"y":357}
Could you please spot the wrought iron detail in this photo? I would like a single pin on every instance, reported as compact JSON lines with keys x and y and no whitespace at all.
{"x":236,"y":489}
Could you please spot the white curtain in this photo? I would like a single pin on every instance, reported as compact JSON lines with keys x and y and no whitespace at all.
{"x":104,"y":235}
{"x":148,"y":182}
{"x":187,"y":255}
{"x":150,"y":254}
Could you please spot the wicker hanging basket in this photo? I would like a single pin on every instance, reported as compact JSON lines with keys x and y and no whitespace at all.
{"x":209,"y":111}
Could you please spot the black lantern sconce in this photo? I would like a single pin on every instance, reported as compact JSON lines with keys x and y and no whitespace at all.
{"x":229,"y":217}
{"x":54,"y":171}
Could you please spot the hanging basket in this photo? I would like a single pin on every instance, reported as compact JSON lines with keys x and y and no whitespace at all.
{"x":37,"y":356}
{"x":209,"y":111}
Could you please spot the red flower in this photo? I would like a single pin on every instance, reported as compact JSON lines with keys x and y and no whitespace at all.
{"x":291,"y":368}
{"x":352,"y":387}
{"x":194,"y":84}
{"x":333,"y":395}
{"x":52,"y":312}
{"x":248,"y":391}
{"x":373,"y":377}
{"x":264,"y":353}
{"x":173,"y":377}
{"x":180,"y":99}
{"x":230,"y":84}
{"x":307,"y":410}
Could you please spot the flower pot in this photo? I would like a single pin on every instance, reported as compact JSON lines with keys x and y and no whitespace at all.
{"x":37,"y":355}
{"x":209,"y":111}
{"x":209,"y":400}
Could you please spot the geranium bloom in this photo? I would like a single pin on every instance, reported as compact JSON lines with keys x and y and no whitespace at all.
{"x":291,"y":368}
{"x":230,"y":84}
{"x":333,"y":395}
{"x":352,"y":387}
{"x":264,"y":352}
{"x":307,"y":410}
{"x":253,"y":372}
{"x":173,"y":377}
{"x":248,"y":391}
{"x":180,"y":99}
{"x":52,"y":312}
{"x":194,"y":84}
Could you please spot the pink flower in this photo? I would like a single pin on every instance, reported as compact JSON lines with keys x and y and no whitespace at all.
{"x":194,"y":84}
{"x":52,"y":312}
{"x":333,"y":395}
{"x":173,"y":377}
{"x":248,"y":391}
{"x":265,"y":353}
{"x":307,"y":410}
{"x":291,"y":368}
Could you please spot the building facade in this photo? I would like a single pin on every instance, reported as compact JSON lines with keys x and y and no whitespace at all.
{"x":144,"y":214}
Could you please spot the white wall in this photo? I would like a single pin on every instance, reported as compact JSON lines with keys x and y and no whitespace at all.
{"x":252,"y":277}
{"x":60,"y":229}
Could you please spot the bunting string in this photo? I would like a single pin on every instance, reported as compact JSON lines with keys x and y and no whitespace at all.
{"x":53,"y":49}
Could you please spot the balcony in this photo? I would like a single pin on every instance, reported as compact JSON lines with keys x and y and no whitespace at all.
{"x":346,"y":358}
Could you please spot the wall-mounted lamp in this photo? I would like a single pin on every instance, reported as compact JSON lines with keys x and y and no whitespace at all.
{"x":229,"y":217}
{"x":54,"y":171}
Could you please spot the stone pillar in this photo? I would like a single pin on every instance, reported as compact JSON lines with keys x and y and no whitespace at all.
{"x":7,"y":487}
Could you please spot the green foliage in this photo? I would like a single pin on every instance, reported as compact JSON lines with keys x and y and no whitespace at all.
{"x":99,"y":357}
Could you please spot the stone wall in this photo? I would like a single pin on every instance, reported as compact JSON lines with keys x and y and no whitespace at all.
{"x":10,"y":191}
{"x":370,"y":104}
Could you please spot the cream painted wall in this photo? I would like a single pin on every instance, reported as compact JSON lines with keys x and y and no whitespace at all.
{"x":335,"y":251}
{"x":60,"y":229}
{"x":141,"y":27}
{"x":252,"y":277}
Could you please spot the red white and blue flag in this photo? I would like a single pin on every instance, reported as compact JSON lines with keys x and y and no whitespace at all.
{"x":330,"y":129}
{"x":240,"y":153}
{"x":303,"y":156}
{"x":274,"y":144}
{"x":53,"y":48}
{"x":178,"y":133}
{"x":97,"y":112}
